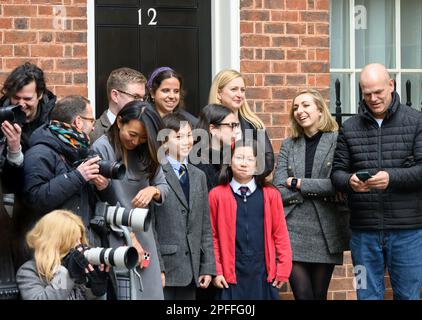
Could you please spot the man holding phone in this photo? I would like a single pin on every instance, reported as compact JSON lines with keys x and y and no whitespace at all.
{"x":378,"y":162}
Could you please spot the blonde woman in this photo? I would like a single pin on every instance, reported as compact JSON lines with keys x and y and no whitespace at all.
{"x":317,"y":220}
{"x":228,"y":89}
{"x":58,"y":271}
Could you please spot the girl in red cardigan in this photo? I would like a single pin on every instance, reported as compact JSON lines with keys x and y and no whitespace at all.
{"x":251,"y":242}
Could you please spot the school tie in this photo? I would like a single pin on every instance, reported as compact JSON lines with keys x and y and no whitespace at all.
{"x":243,"y":190}
{"x":184,"y":180}
{"x":182,"y":173}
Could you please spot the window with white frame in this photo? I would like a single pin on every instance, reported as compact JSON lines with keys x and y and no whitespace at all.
{"x":367,"y":31}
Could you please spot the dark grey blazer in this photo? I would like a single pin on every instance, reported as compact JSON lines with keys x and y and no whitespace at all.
{"x":183,"y":231}
{"x":101,"y":126}
{"x":334,"y":217}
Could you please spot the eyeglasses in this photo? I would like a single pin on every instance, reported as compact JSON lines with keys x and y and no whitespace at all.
{"x":134,"y":96}
{"x":89,"y":119}
{"x":230,"y":124}
{"x":244,"y":159}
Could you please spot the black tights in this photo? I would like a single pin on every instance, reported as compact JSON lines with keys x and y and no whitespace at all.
{"x":310,"y":281}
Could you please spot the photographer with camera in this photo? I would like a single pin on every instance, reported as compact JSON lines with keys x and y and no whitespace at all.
{"x":52,"y":180}
{"x":26,"y":104}
{"x":59,"y":269}
{"x":25,"y":86}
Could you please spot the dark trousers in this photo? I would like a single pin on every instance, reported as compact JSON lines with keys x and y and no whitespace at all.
{"x":180,"y":293}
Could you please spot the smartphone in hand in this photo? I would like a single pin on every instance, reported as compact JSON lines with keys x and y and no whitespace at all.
{"x":147,"y":260}
{"x":363,"y":175}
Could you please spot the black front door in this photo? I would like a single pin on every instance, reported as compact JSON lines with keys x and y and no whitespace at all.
{"x":145,"y":34}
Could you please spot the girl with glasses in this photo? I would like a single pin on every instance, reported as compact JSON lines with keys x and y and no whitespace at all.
{"x":251,"y":242}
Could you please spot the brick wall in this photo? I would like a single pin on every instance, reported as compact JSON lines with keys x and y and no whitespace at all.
{"x":33,"y":30}
{"x":284,"y":47}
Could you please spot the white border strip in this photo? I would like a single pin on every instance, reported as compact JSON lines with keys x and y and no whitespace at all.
{"x":397,"y":10}
{"x":225,"y":34}
{"x":352,"y":31}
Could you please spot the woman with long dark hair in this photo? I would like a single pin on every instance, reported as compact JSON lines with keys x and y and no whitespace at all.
{"x":132,"y":139}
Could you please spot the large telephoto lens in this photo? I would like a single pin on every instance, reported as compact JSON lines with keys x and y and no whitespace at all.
{"x":112,"y":169}
{"x":138,"y":219}
{"x":121,"y":257}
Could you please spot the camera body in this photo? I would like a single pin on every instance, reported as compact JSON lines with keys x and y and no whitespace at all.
{"x":13,"y":114}
{"x":108,"y":169}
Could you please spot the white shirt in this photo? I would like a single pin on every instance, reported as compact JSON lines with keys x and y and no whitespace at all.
{"x":111,"y":116}
{"x":236,"y":185}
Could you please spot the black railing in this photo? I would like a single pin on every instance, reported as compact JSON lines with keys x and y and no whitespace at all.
{"x":339,"y":114}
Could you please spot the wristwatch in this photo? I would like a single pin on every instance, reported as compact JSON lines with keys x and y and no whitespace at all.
{"x":293,"y":184}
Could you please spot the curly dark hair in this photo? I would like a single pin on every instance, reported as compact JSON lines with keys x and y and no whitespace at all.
{"x":22,"y":76}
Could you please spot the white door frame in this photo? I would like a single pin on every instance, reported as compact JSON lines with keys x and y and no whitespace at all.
{"x":225,"y":33}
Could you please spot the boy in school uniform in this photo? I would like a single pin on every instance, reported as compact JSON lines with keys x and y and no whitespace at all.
{"x":182,"y":224}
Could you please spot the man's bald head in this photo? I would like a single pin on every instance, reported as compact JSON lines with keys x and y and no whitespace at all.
{"x":377,"y":87}
{"x":374,"y":71}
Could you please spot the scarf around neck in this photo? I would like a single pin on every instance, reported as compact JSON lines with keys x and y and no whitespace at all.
{"x":69,"y":134}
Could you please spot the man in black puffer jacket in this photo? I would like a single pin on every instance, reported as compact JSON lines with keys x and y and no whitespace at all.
{"x":384,"y":139}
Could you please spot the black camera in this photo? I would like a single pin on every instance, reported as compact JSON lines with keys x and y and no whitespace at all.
{"x":108,"y":169}
{"x":13,"y":114}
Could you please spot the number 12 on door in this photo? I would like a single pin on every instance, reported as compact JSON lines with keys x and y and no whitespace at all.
{"x":152,"y":15}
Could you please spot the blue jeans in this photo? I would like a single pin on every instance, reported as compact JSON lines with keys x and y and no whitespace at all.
{"x":400,"y":251}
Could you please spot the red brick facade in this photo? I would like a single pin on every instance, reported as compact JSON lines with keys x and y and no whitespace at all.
{"x":284,"y":47}
{"x":32,"y":30}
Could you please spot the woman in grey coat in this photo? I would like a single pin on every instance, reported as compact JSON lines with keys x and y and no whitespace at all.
{"x":132,"y":139}
{"x":317,"y":218}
